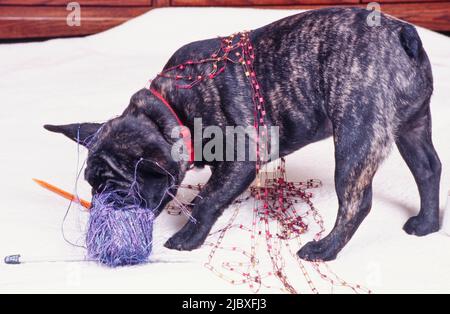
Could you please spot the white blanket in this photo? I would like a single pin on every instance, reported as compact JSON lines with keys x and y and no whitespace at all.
{"x":92,"y":79}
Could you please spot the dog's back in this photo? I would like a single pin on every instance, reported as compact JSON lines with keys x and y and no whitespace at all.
{"x":331,"y":63}
{"x":323,"y":65}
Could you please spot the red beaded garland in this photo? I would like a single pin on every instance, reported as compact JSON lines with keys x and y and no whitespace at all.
{"x":276,"y":200}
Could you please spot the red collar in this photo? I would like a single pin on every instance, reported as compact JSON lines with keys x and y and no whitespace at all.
{"x":185,"y":133}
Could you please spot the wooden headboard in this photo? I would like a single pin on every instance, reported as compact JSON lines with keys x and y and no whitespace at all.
{"x":26,"y":19}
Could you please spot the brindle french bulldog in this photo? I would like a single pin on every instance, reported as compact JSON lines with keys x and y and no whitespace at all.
{"x":324,"y":72}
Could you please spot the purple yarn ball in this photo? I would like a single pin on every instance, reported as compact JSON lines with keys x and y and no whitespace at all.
{"x":118,"y":235}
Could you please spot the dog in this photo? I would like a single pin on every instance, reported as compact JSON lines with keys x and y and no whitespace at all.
{"x":323,"y":73}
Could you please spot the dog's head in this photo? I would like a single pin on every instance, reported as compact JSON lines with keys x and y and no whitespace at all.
{"x":131,"y":154}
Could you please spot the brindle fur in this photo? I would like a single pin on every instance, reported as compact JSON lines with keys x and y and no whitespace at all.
{"x":323,"y":73}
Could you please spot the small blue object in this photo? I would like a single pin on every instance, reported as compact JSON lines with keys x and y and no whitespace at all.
{"x":12,"y":259}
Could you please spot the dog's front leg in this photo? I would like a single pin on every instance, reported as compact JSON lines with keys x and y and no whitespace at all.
{"x":228,"y":181}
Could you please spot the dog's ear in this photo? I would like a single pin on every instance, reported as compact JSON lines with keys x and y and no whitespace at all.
{"x":81,"y":133}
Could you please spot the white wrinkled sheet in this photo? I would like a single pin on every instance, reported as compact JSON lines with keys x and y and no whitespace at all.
{"x":92,"y":79}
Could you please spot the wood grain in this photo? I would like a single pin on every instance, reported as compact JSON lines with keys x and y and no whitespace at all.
{"x":229,"y":3}
{"x":82,"y":3}
{"x":49,"y":20}
{"x":161,"y":3}
{"x":432,"y":15}
{"x":42,"y":22}
{"x":402,"y":1}
{"x":435,"y":16}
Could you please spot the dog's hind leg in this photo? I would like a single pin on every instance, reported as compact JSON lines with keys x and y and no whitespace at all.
{"x":416,"y":147}
{"x":359,"y":150}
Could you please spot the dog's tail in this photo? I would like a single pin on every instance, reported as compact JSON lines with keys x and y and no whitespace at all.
{"x":422,"y":77}
{"x":411,"y":42}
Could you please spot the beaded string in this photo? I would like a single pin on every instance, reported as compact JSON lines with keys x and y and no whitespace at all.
{"x":276,"y":201}
{"x":217,"y":61}
{"x":246,"y":268}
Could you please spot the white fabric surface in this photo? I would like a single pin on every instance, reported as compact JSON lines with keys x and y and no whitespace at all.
{"x":446,"y":217}
{"x":92,"y":79}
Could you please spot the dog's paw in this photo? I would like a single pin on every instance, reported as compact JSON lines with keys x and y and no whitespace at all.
{"x":187,"y":239}
{"x":318,"y":251}
{"x":175,"y":242}
{"x":421,"y":226}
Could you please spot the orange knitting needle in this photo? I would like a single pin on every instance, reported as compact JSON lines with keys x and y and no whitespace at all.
{"x":63,"y":193}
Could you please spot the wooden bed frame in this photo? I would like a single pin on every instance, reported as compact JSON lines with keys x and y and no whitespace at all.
{"x":28,"y":19}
